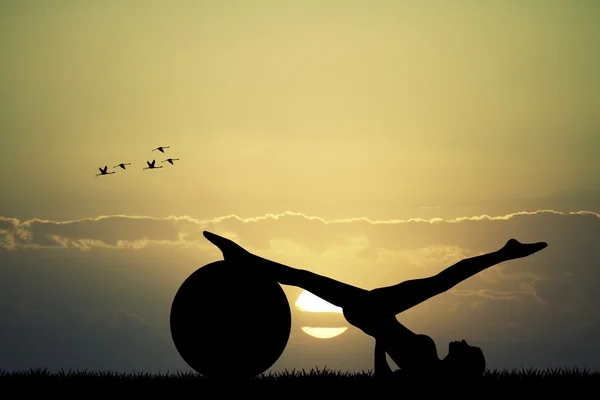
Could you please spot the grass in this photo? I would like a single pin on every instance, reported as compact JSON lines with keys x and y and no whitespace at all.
{"x":294,"y":381}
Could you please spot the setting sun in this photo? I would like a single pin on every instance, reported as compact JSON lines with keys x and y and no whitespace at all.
{"x":308,"y":302}
{"x":323,"y":333}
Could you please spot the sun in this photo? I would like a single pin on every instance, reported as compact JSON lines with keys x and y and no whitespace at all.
{"x":308,"y":302}
{"x":323,"y":333}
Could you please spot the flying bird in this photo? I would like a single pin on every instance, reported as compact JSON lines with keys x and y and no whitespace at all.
{"x":122,"y":165}
{"x":161,"y":148}
{"x":151,"y":165}
{"x":170,"y":160}
{"x":103,"y":171}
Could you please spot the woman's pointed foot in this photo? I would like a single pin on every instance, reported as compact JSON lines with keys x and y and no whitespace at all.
{"x":230,"y":249}
{"x":515,"y":249}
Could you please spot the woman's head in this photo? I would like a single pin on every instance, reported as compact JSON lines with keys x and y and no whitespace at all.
{"x":464,"y":359}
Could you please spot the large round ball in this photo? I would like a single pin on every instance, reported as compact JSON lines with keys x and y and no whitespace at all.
{"x":228,"y":323}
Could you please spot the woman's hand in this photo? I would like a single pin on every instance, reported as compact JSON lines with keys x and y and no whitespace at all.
{"x":231,"y":250}
{"x":382,"y":368}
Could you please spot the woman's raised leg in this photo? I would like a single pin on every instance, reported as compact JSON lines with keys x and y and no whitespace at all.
{"x":390,"y":300}
{"x":398,"y":298}
{"x":335,"y":292}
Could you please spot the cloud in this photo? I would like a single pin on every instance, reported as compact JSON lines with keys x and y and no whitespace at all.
{"x":564,"y":292}
{"x":6,"y":222}
{"x":7,"y":228}
{"x":110,"y":230}
{"x":350,"y":249}
{"x":490,"y":294}
{"x":83,"y":273}
{"x":123,"y":230}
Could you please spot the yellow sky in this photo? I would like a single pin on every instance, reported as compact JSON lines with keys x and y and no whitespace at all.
{"x":330,"y":108}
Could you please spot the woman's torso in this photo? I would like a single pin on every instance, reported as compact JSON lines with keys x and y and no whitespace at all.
{"x":408,"y":349}
{"x":416,"y":351}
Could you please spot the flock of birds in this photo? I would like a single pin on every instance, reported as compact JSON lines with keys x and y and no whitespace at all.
{"x":151,"y":165}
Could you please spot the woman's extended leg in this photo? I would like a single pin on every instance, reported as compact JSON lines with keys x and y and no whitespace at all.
{"x":359,"y":306}
{"x":338,"y":293}
{"x":390,"y":300}
{"x":398,"y":298}
{"x":335,"y":292}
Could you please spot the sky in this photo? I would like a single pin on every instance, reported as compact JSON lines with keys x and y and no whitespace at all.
{"x":372,"y":142}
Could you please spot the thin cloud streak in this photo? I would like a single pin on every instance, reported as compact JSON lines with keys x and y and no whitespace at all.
{"x":273,"y":216}
{"x":15,"y":234}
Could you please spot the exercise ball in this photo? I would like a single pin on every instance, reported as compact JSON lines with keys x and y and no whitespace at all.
{"x":228,"y":323}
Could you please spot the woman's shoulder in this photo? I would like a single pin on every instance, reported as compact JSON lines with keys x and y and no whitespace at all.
{"x":424,"y":338}
{"x":427,"y":343}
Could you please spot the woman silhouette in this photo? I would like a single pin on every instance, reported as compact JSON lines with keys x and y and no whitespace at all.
{"x":374,"y":311}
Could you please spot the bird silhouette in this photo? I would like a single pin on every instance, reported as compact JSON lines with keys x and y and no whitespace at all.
{"x":161,"y":148}
{"x":151,"y":165}
{"x":170,"y":160}
{"x":103,"y":171}
{"x":122,"y":165}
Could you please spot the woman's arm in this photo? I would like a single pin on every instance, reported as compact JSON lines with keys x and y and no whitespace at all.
{"x":382,"y":368}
